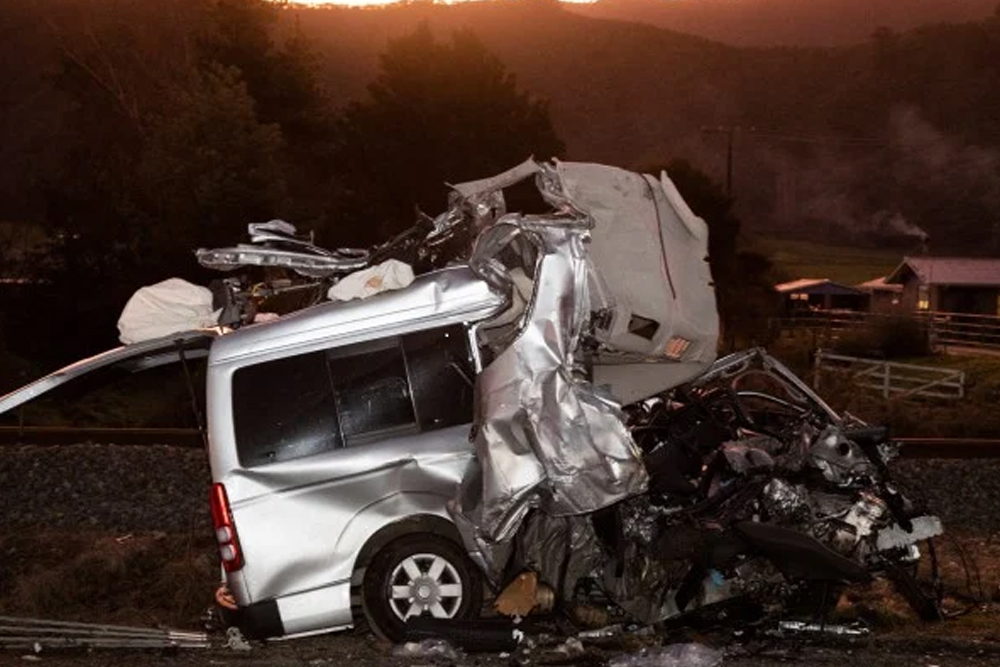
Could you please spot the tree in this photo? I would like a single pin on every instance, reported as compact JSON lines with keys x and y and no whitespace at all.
{"x":179,"y":128}
{"x":208,"y":167}
{"x":282,"y":79}
{"x":438,"y":112}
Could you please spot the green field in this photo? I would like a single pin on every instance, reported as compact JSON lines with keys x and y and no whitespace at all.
{"x":806,"y":259}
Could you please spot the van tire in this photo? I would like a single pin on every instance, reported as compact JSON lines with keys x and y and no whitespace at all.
{"x":441,"y":579}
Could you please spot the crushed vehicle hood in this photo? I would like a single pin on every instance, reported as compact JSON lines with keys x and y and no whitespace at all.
{"x":652,"y":310}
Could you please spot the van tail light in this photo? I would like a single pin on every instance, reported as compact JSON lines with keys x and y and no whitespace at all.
{"x":225,"y":530}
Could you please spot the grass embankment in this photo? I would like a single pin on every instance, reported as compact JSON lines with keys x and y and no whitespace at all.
{"x":142,"y":580}
{"x":841,"y":264}
{"x":974,"y":416}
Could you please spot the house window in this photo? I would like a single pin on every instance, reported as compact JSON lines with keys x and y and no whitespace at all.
{"x":352,"y":395}
{"x":923,"y":297}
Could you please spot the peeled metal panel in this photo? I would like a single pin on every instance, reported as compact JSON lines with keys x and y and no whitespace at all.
{"x":545,"y":437}
{"x":651,"y":255}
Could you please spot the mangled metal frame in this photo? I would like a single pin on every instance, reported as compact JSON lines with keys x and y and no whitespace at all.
{"x":545,"y":437}
{"x":555,"y":453}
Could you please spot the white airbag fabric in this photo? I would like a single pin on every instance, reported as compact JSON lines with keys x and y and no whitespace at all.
{"x":167,"y":307}
{"x":389,"y":275}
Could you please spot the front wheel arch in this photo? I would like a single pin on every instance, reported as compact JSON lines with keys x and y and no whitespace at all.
{"x":413,"y":525}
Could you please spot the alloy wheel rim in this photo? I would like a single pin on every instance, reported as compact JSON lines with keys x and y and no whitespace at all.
{"x":425,"y":584}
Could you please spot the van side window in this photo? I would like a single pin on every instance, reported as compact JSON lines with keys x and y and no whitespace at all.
{"x":371,"y":390}
{"x":311,"y":403}
{"x":441,"y":375}
{"x":283,"y":410}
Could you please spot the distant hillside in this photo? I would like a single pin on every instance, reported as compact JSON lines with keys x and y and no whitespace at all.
{"x":620,"y":92}
{"x":788,"y":22}
{"x":897,"y":132}
{"x":901,"y":130}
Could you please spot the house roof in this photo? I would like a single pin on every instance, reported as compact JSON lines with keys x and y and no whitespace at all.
{"x":816,"y":286}
{"x":879,"y":285}
{"x":948,"y":271}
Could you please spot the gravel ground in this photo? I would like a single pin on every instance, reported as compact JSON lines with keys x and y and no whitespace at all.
{"x":165,"y":488}
{"x":965,"y":493}
{"x":117,"y":488}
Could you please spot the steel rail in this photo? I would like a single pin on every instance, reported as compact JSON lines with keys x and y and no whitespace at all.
{"x":35,"y":634}
{"x":910,"y":447}
{"x":61,"y":435}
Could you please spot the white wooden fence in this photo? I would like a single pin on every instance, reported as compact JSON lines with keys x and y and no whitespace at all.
{"x":892,"y":379}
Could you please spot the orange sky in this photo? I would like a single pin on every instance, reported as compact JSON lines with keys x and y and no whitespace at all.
{"x":359,"y":3}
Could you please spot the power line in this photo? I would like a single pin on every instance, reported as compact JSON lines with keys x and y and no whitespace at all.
{"x":816,"y":139}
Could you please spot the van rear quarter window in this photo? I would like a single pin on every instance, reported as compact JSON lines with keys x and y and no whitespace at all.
{"x":283,"y":410}
{"x":312,"y":403}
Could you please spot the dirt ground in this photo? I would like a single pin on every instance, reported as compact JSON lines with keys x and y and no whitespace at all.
{"x":166,"y":580}
{"x":940,"y":647}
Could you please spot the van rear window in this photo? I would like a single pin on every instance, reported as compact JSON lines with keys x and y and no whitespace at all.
{"x":311,"y":403}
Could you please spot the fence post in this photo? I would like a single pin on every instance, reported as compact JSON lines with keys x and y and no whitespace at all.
{"x":886,"y":380}
{"x":817,"y":363}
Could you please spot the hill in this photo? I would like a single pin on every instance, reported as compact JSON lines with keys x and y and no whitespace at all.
{"x":904,"y":127}
{"x":620,"y":92}
{"x":902,"y":130}
{"x":788,"y":22}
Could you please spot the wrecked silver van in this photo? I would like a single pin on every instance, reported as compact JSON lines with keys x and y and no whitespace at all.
{"x":340,"y":435}
{"x":547,"y":403}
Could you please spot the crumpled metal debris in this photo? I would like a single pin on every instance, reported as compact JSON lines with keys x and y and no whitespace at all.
{"x":427,"y":648}
{"x":674,"y":655}
{"x":707,"y":492}
{"x":545,"y":437}
{"x":276,"y":244}
{"x":235,"y":640}
{"x":833,"y":629}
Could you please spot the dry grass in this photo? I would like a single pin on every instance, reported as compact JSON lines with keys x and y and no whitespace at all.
{"x":153,"y":579}
{"x":969,"y":569}
{"x":168,"y":580}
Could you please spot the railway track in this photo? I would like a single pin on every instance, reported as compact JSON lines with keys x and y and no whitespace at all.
{"x":61,"y":435}
{"x":910,"y":448}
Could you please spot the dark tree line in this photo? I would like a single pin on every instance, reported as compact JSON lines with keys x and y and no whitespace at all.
{"x":171,"y":125}
{"x":183,"y":120}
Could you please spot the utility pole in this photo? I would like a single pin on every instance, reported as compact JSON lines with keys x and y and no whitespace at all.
{"x":729,"y":131}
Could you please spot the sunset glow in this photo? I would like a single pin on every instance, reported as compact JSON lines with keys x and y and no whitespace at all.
{"x":371,"y":3}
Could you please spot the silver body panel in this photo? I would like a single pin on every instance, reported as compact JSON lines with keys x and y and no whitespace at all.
{"x":302,"y":523}
{"x":134,"y":357}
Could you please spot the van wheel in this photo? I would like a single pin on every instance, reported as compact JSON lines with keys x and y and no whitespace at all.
{"x":419,"y":575}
